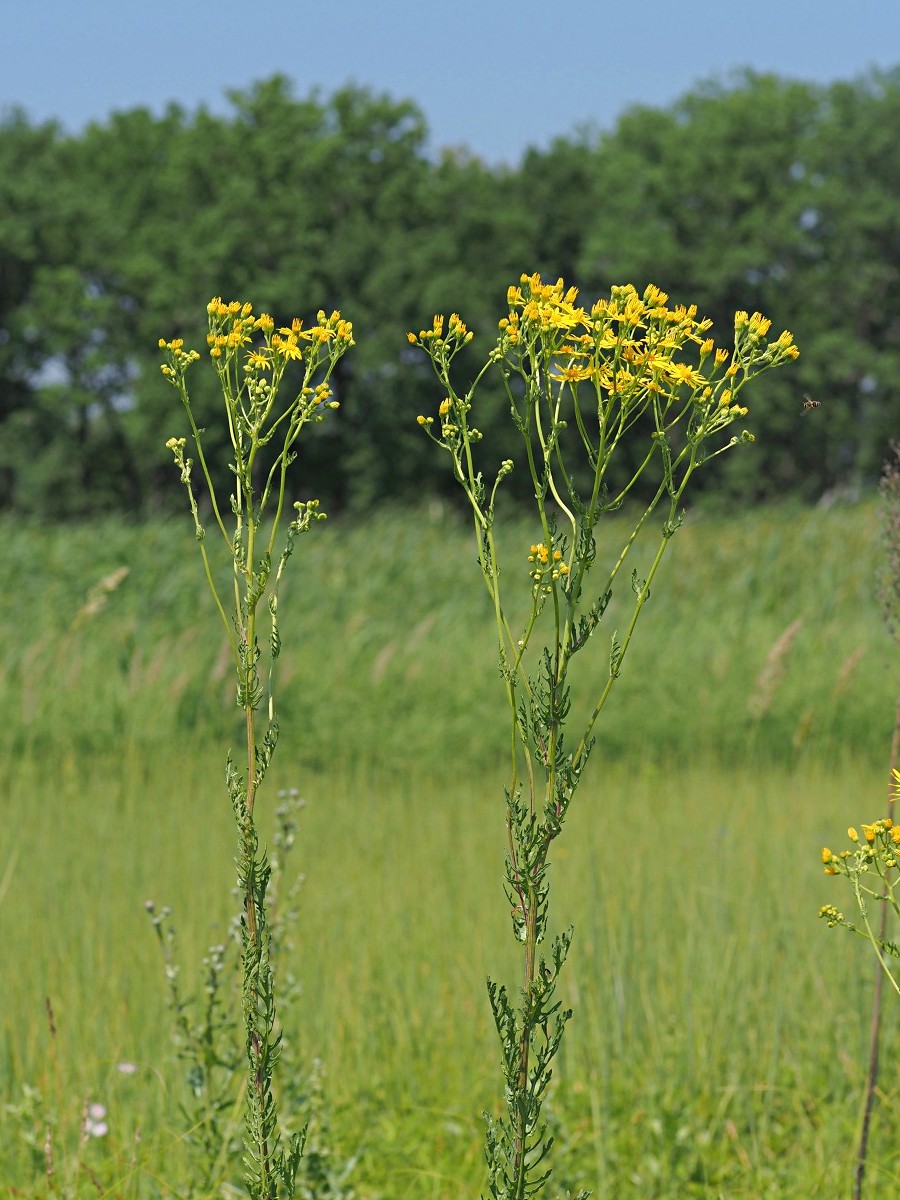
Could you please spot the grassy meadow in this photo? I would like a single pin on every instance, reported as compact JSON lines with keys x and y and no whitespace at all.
{"x":719,"y":1043}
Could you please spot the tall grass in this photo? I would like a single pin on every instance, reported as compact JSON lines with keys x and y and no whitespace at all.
{"x":719,"y":1040}
{"x":409,"y":642}
{"x":718,"y":1046}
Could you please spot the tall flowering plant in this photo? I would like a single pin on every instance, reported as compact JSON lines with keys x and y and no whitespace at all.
{"x":581,"y":383}
{"x":265,"y":419}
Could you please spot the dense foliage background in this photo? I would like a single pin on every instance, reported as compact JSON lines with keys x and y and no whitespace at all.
{"x":764,"y":193}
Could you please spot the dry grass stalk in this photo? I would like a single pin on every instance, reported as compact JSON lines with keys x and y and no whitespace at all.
{"x":771,"y":676}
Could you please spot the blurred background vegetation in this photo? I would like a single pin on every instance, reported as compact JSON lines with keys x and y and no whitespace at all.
{"x":757,"y":194}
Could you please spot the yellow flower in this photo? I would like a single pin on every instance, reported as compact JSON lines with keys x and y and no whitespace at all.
{"x":345,"y":332}
{"x":852,"y":834}
{"x":287,"y":346}
{"x":869,"y":833}
{"x":681,"y":374}
{"x":654,"y":297}
{"x":546,"y":305}
{"x":571,"y":374}
{"x":759,"y":324}
{"x":258,"y":360}
{"x":827,"y":856}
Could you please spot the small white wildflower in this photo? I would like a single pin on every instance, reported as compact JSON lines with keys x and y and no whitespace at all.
{"x":94,"y":1122}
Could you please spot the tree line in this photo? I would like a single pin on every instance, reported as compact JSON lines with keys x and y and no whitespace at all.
{"x":756,"y":193}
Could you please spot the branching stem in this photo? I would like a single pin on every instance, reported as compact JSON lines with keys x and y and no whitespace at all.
{"x":628,"y":352}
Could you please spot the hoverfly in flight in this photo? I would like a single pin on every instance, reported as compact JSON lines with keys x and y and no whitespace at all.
{"x":809,"y":404}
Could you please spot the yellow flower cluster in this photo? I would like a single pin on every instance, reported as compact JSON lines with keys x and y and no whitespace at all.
{"x":883,"y":831}
{"x":541,"y":560}
{"x":632,"y":350}
{"x":829,"y":913}
{"x":177,"y":358}
{"x":457,"y":334}
{"x":321,"y":394}
{"x":545,"y":307}
{"x":446,"y":410}
{"x":233,"y":326}
{"x":627,"y":344}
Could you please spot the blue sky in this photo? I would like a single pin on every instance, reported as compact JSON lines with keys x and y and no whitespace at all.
{"x":495,"y":77}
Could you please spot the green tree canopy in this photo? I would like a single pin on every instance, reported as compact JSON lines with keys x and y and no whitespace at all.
{"x":756,"y":193}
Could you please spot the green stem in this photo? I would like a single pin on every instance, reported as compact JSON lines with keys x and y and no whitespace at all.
{"x":206,"y":475}
{"x":875,"y":1025}
{"x":870,"y":933}
{"x":639,"y":604}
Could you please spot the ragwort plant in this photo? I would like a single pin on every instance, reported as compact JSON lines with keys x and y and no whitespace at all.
{"x":581,"y":384}
{"x":883,"y":832}
{"x":873,"y":868}
{"x":205,"y":1022}
{"x":252,"y":359}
